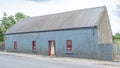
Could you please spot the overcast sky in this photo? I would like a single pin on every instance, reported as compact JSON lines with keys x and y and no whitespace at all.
{"x":43,"y":7}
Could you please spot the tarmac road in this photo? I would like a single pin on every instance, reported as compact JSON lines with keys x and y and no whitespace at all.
{"x":8,"y":61}
{"x":11,"y":61}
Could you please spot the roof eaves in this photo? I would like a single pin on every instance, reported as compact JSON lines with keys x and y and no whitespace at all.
{"x":52,"y":30}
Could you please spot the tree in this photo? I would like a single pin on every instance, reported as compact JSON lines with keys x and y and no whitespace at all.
{"x":117,"y":34}
{"x":19,"y":16}
{"x":116,"y":38}
{"x":9,"y":21}
{"x":2,"y":31}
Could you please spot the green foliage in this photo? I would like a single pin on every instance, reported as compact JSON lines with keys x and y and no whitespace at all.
{"x":1,"y":35}
{"x":116,"y":38}
{"x":9,"y":21}
{"x":19,"y":16}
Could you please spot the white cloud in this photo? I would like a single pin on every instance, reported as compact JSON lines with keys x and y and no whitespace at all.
{"x":57,"y":6}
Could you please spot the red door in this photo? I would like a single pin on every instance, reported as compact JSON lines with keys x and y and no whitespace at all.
{"x":49,"y":48}
{"x":50,"y":44}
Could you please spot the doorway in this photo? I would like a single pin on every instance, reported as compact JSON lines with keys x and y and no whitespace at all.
{"x":51,"y":48}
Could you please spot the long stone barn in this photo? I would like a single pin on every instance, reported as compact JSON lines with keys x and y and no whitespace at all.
{"x":82,"y":34}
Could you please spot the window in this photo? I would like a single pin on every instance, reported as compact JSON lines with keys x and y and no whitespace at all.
{"x":33,"y":45}
{"x":15,"y":45}
{"x":68,"y":45}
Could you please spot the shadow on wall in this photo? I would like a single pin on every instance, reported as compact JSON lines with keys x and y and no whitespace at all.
{"x":2,"y":46}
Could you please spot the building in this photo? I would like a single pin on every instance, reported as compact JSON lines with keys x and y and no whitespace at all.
{"x":82,"y":33}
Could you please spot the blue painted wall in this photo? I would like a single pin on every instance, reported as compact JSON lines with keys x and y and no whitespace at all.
{"x":84,"y":43}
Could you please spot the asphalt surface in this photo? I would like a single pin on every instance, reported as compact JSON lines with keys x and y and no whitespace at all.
{"x":11,"y":61}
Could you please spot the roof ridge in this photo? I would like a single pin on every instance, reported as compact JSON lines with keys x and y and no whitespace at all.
{"x":100,"y":16}
{"x":68,"y":11}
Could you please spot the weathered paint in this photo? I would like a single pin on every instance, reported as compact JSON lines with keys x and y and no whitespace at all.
{"x":104,"y":29}
{"x":84,"y":43}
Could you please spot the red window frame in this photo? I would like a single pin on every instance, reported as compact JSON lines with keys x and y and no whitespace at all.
{"x":33,"y":45}
{"x":68,"y":45}
{"x":15,"y":45}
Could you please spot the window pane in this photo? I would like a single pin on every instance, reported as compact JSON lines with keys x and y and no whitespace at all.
{"x":33,"y":45}
{"x":69,"y":45}
{"x":15,"y":45}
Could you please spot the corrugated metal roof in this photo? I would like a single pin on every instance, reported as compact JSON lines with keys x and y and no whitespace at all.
{"x":66,"y":20}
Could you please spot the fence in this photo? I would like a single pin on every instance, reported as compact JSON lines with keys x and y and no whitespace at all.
{"x":116,"y":52}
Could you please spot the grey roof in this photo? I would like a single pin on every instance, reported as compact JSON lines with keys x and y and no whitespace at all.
{"x":72,"y":19}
